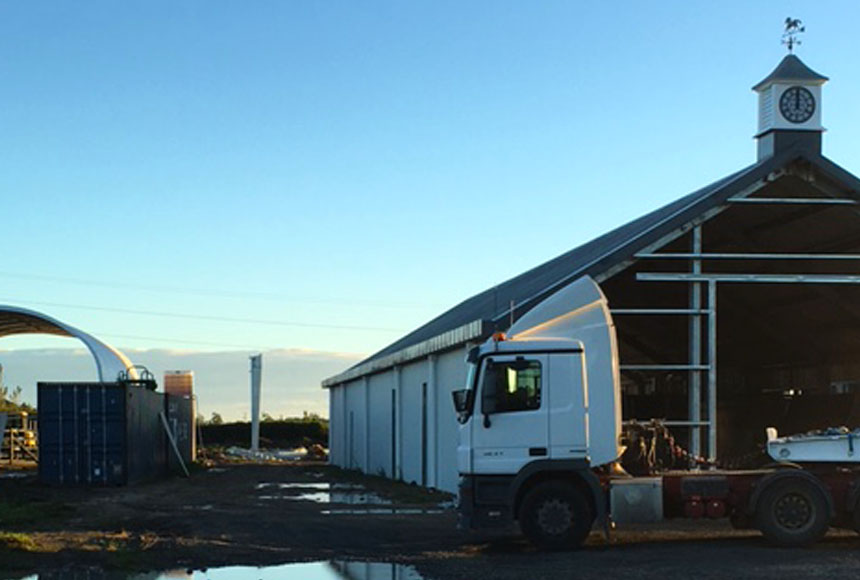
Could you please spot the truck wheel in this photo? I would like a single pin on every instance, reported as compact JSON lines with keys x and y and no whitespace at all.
{"x":556,"y":516}
{"x":792,"y":512}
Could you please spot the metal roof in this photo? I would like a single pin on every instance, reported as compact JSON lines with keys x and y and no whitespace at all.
{"x":593,"y":258}
{"x":791,"y":68}
{"x":109,"y":361}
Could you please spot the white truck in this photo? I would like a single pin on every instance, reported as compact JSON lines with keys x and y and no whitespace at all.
{"x":541,"y":434}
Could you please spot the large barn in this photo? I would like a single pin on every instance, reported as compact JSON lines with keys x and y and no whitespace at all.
{"x":737,"y":307}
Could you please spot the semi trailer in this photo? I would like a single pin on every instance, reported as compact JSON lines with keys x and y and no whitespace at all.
{"x":541,"y":440}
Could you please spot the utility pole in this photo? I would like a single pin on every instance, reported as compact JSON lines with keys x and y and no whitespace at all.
{"x":256,"y":376}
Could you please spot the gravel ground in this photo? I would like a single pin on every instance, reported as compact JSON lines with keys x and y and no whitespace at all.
{"x":243,"y":514}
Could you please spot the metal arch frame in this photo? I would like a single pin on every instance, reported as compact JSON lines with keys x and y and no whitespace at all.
{"x":109,"y":361}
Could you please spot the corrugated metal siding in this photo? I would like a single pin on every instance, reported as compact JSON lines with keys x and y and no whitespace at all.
{"x":82,"y":435}
{"x":100,"y":434}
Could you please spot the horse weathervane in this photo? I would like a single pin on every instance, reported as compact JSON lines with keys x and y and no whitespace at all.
{"x":793,"y":27}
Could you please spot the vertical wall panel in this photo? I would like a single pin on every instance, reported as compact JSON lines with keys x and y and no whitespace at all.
{"x":412,"y":377}
{"x":355,"y":425}
{"x":336,"y":433}
{"x":381,"y":427}
{"x":450,"y":377}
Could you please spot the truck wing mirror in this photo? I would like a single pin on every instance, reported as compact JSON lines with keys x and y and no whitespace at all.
{"x":463,"y":400}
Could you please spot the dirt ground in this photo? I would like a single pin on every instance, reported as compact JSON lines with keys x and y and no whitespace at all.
{"x":236,"y":514}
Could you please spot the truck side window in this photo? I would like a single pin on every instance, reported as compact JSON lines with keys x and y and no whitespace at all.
{"x":510,"y":386}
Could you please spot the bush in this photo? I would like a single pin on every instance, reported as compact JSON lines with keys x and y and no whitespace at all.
{"x":284,"y":434}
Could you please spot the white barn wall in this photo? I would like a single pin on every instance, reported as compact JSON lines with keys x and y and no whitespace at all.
{"x":381,"y":428}
{"x":412,"y":377}
{"x":450,"y":377}
{"x":356,"y":425}
{"x":335,"y":425}
{"x":364,"y":426}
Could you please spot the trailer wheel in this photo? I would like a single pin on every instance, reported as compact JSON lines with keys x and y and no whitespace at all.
{"x":792,"y":512}
{"x":556,"y":516}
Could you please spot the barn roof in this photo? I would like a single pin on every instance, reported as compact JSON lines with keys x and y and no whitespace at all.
{"x":476,"y":317}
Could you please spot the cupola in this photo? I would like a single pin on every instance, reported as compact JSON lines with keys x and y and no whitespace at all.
{"x":789,"y":108}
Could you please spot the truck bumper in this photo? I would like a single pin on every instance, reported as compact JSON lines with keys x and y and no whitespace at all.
{"x":484,"y":502}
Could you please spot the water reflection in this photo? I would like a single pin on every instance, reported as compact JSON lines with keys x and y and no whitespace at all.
{"x":321,"y":493}
{"x":336,"y":570}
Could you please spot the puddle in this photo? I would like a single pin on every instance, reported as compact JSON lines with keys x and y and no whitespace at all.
{"x":204,"y":508}
{"x":338,"y":493}
{"x":311,"y":485}
{"x":336,"y":570}
{"x":341,"y":497}
{"x":269,"y":454}
{"x":383,"y":512}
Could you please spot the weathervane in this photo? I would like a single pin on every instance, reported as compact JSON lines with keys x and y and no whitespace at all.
{"x":793,"y":27}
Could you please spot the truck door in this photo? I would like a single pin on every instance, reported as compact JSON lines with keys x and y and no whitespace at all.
{"x":510,"y":427}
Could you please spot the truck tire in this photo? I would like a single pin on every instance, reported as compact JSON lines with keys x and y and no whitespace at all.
{"x":556,"y":516}
{"x":792,"y":512}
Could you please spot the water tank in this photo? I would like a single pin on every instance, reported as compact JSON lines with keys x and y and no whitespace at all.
{"x":179,"y":383}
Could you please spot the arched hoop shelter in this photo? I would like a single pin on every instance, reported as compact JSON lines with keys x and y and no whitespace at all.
{"x":109,"y":361}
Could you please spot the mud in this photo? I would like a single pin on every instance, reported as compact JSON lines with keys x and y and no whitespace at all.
{"x":218,"y":518}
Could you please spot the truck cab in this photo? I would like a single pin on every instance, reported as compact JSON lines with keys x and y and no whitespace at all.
{"x":542,"y":403}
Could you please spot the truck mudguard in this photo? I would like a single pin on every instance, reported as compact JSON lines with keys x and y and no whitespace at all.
{"x":580,"y":467}
{"x":784,"y":474}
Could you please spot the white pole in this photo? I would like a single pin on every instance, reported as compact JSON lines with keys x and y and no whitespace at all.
{"x":256,"y":375}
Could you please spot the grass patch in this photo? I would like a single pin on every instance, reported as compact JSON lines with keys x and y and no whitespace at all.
{"x":17,"y":541}
{"x":30,"y":512}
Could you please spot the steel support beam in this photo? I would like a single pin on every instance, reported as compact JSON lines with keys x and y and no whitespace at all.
{"x":691,"y":367}
{"x":748,"y":278}
{"x":660,"y":311}
{"x":792,"y":200}
{"x":694,"y":392}
{"x":700,"y":256}
{"x":712,"y":371}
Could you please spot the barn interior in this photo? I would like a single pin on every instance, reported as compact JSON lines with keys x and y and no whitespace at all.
{"x":767,"y":287}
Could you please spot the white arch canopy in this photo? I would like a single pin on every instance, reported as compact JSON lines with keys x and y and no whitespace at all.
{"x":109,"y":361}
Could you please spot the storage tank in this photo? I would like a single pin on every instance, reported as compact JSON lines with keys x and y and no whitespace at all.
{"x":179,"y":383}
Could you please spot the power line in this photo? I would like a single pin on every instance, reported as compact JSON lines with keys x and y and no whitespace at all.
{"x":181,"y":341}
{"x":207,"y":317}
{"x":214,"y":292}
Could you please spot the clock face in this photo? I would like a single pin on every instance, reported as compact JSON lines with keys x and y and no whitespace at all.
{"x":797,"y":104}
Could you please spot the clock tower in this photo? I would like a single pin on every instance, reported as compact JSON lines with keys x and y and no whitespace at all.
{"x":789,"y":108}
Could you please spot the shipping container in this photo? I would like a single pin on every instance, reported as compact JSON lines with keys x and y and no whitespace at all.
{"x":100,"y":434}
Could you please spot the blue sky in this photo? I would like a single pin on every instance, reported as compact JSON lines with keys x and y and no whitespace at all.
{"x":345,"y":171}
